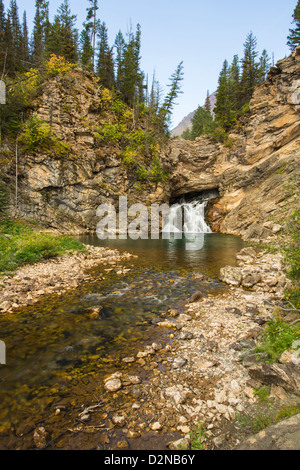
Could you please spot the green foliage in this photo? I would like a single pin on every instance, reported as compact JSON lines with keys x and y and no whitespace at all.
{"x":278,"y":337}
{"x":291,"y":248}
{"x":108,"y":132}
{"x":37,"y":136}
{"x":263,"y":393}
{"x":268,"y":416}
{"x":294,"y":36}
{"x":237,"y":84}
{"x":198,"y":436}
{"x":187,"y":134}
{"x":202,"y":123}
{"x":4,"y":201}
{"x":20,"y":244}
{"x":105,"y":65}
{"x":293,"y":295}
{"x":20,"y":94}
{"x":165,"y":112}
{"x":219,"y":134}
{"x":63,"y":36}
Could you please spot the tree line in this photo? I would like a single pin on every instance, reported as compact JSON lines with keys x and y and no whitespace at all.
{"x":118,"y":66}
{"x":89,"y":48}
{"x":236,"y":84}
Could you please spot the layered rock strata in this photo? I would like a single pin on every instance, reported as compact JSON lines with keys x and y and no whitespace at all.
{"x":256,"y":172}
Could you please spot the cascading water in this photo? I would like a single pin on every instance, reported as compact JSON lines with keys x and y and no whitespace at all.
{"x":188,"y":216}
{"x":186,"y":221}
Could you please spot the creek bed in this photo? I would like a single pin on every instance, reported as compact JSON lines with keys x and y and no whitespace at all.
{"x":60,"y":348}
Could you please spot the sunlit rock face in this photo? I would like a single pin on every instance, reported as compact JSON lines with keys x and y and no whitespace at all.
{"x":253,"y":173}
{"x":257,"y":173}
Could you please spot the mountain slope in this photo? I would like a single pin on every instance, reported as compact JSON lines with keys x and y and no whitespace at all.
{"x":187,"y":120}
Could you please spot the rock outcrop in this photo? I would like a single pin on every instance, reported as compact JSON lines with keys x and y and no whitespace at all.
{"x":64,"y":191}
{"x":260,"y":163}
{"x":253,"y":172}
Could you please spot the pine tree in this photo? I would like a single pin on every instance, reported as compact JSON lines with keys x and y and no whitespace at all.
{"x":234,"y":88}
{"x":87,"y":53}
{"x":129,"y":76}
{"x":63,"y":36}
{"x":207,"y":105}
{"x":2,"y":38}
{"x":166,"y":109}
{"x":264,"y":66}
{"x":25,"y":42}
{"x":222,"y":108}
{"x":120,"y":49}
{"x":93,"y":25}
{"x":40,"y":35}
{"x":250,"y":69}
{"x":105,"y":65}
{"x":8,"y":65}
{"x":16,"y":37}
{"x":294,"y":36}
{"x":228,"y":104}
{"x":91,"y":28}
{"x":187,"y":134}
{"x":202,"y":123}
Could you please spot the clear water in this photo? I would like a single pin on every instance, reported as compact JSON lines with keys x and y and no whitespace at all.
{"x":54,"y":345}
{"x":204,"y":252}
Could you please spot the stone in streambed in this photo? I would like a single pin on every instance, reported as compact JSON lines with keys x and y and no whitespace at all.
{"x":231,"y":275}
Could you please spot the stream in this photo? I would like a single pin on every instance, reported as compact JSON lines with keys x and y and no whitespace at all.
{"x":57,"y":345}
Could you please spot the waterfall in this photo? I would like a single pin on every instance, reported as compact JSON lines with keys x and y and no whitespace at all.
{"x":188,"y":216}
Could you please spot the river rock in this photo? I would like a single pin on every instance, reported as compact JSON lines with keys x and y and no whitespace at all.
{"x":231,"y":275}
{"x":40,"y":437}
{"x":179,"y":362}
{"x":286,"y":376}
{"x":184,"y":335}
{"x":134,"y":379}
{"x":195,"y":297}
{"x":156,"y":426}
{"x":180,"y":444}
{"x":178,"y":393}
{"x":119,"y":421}
{"x":251,"y":280}
{"x":128,"y":360}
{"x":113,"y":385}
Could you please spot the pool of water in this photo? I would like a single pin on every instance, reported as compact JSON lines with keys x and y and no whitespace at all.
{"x":55,"y":345}
{"x":204,"y":252}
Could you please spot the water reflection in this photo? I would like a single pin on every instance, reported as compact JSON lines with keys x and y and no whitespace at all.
{"x":206,"y":252}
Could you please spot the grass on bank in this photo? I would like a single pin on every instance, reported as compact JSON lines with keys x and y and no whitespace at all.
{"x":278,"y":337}
{"x":20,"y":244}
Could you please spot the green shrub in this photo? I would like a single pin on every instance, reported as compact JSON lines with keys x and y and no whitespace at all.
{"x":278,"y":337}
{"x":108,"y":132}
{"x":37,"y":136}
{"x":198,"y":436}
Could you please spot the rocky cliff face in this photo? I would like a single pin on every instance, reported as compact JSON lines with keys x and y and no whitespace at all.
{"x":64,"y":191}
{"x":258,"y":172}
{"x":255,"y":173}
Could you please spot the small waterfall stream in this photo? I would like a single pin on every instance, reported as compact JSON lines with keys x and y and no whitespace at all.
{"x":187,"y":216}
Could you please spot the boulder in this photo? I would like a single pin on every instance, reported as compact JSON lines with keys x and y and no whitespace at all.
{"x":284,"y":435}
{"x":231,"y":275}
{"x":286,"y":376}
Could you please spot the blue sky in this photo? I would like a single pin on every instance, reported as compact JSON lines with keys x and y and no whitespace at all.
{"x":200,"y":33}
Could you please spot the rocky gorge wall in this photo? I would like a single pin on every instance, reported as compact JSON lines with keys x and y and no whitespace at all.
{"x":256,"y":172}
